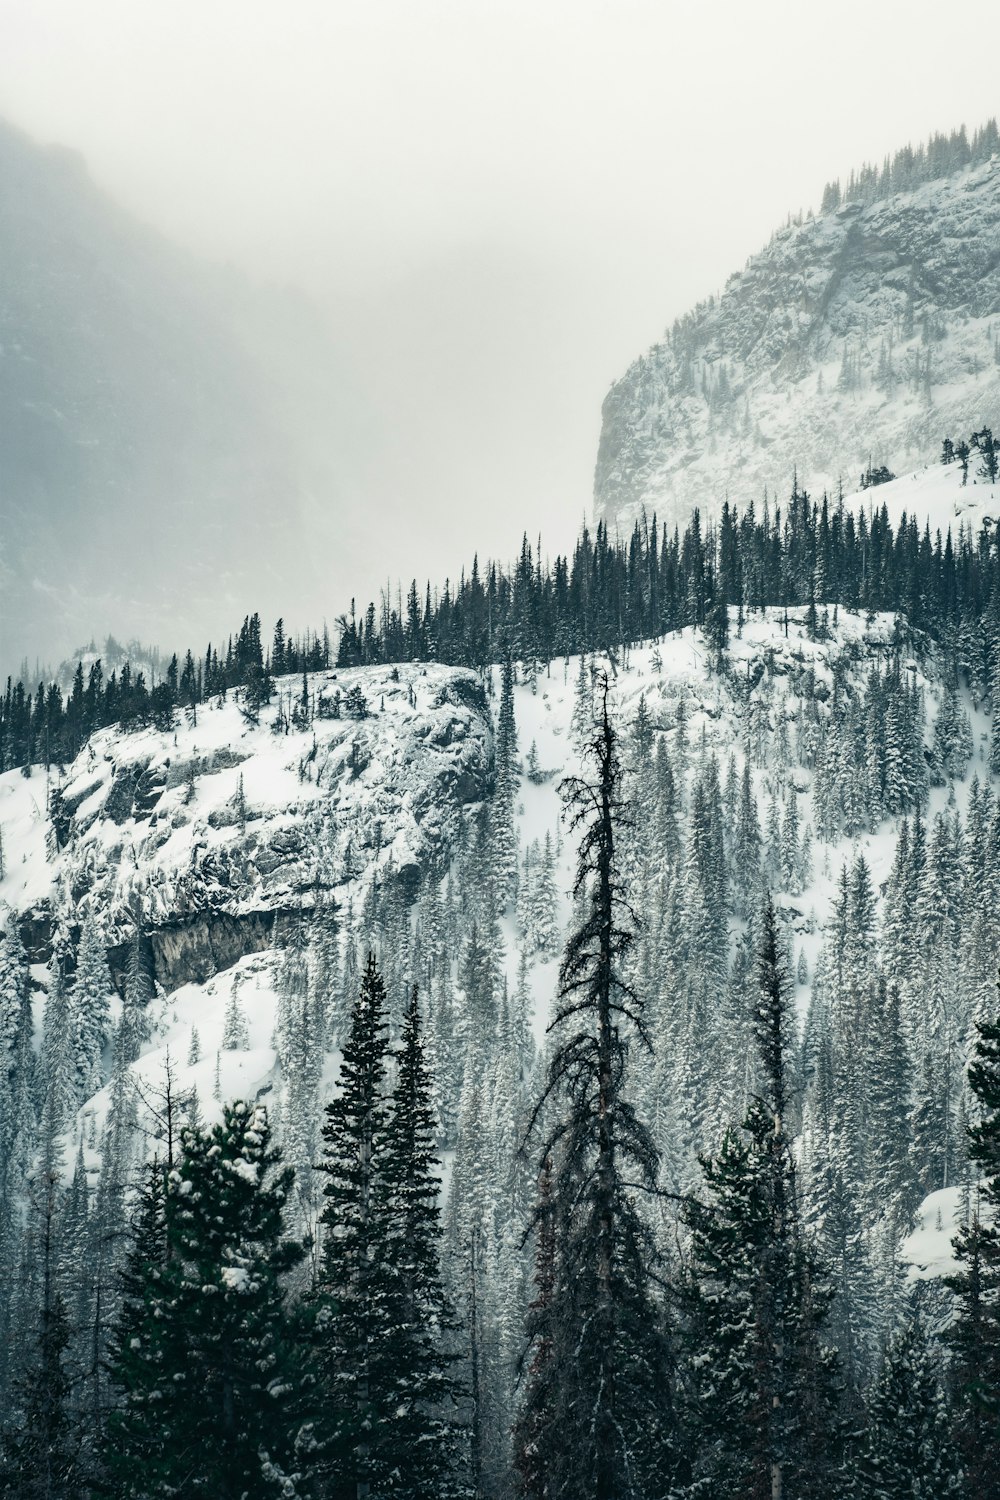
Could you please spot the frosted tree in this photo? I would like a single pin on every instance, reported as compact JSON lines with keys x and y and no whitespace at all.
{"x":41,"y":1454}
{"x":133,"y":1028}
{"x":791,"y":857}
{"x":908,"y":1446}
{"x":58,"y":1073}
{"x":324,"y":976}
{"x":17,"y":1065}
{"x":952,"y":736}
{"x":90,"y":1003}
{"x":762,"y":1379}
{"x":204,"y":1357}
{"x":422,"y":1447}
{"x":975,"y":1333}
{"x":235,"y":1031}
{"x":502,"y":808}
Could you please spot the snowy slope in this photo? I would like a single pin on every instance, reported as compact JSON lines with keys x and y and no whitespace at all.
{"x":218,"y":826}
{"x":217,"y":834}
{"x":864,"y":333}
{"x":933,"y":495}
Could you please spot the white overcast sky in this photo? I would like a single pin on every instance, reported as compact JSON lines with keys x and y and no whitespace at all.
{"x":501,"y":204}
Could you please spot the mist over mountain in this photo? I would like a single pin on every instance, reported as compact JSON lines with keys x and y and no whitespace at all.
{"x":167,"y":431}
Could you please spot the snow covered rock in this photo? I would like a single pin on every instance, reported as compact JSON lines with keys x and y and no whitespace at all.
{"x":218,"y":828}
{"x":868,"y":333}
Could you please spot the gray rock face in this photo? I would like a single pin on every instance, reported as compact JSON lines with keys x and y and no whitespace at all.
{"x":204,"y":945}
{"x":219,"y":833}
{"x":867,"y":333}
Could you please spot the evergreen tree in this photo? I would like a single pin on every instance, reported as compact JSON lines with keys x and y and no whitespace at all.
{"x":235,"y":1032}
{"x":145,"y":1348}
{"x":607,"y":1379}
{"x":975,"y":1334}
{"x":504,"y":832}
{"x":764,"y":1416}
{"x":133,"y":1027}
{"x":205,"y":1354}
{"x":536,"y":1434}
{"x":420,"y":1450}
{"x":908,"y":1450}
{"x":353,"y":1442}
{"x":17,"y":1069}
{"x":41,"y":1449}
{"x":90,"y":1004}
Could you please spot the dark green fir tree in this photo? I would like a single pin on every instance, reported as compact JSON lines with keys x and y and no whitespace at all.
{"x":41,"y":1449}
{"x":975,"y":1333}
{"x":423,"y":1445}
{"x":908,"y":1449}
{"x":598,"y":1367}
{"x":353,"y":1448}
{"x":761,"y":1419}
{"x":206,"y":1356}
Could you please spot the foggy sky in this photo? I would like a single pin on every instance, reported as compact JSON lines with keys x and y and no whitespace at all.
{"x":498,"y":205}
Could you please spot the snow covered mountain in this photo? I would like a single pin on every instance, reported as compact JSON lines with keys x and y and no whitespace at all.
{"x":217,"y":844}
{"x":186,"y":910}
{"x":868,"y":333}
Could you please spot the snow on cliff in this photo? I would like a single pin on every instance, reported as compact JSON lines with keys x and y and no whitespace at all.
{"x":218,"y":831}
{"x":869,"y":333}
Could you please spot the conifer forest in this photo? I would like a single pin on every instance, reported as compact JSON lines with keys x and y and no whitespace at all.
{"x":591,"y":1162}
{"x":534,"y":1034}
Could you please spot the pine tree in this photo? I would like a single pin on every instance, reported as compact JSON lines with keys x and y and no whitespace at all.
{"x":420,"y":1448}
{"x":134,"y":1024}
{"x":907,"y":1448}
{"x":606,"y":1381}
{"x":90,"y":1005}
{"x":205,"y":1354}
{"x":975,"y":1334}
{"x":17,"y":1067}
{"x":504,"y":832}
{"x":353,"y":1280}
{"x":764,"y":1421}
{"x":235,"y":1032}
{"x":41,"y":1451}
{"x":58,"y":1062}
{"x":145,"y":1348}
{"x":536,"y":1436}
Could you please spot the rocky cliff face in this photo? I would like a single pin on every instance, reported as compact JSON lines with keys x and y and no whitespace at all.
{"x":214,"y":832}
{"x":867,"y":333}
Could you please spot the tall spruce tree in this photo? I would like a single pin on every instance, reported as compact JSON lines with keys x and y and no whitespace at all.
{"x":908,"y":1453}
{"x":206,"y":1355}
{"x":145,"y":1347}
{"x":762,"y":1419}
{"x":422,"y":1447}
{"x":351,"y":1437}
{"x":975,"y":1333}
{"x":604,"y":1376}
{"x":536,"y":1435}
{"x":41,"y":1447}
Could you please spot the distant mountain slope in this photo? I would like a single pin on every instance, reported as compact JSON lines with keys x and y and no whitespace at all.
{"x":146,"y":453}
{"x":870,"y":331}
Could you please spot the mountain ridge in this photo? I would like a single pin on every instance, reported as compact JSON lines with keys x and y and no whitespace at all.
{"x":861,"y":335}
